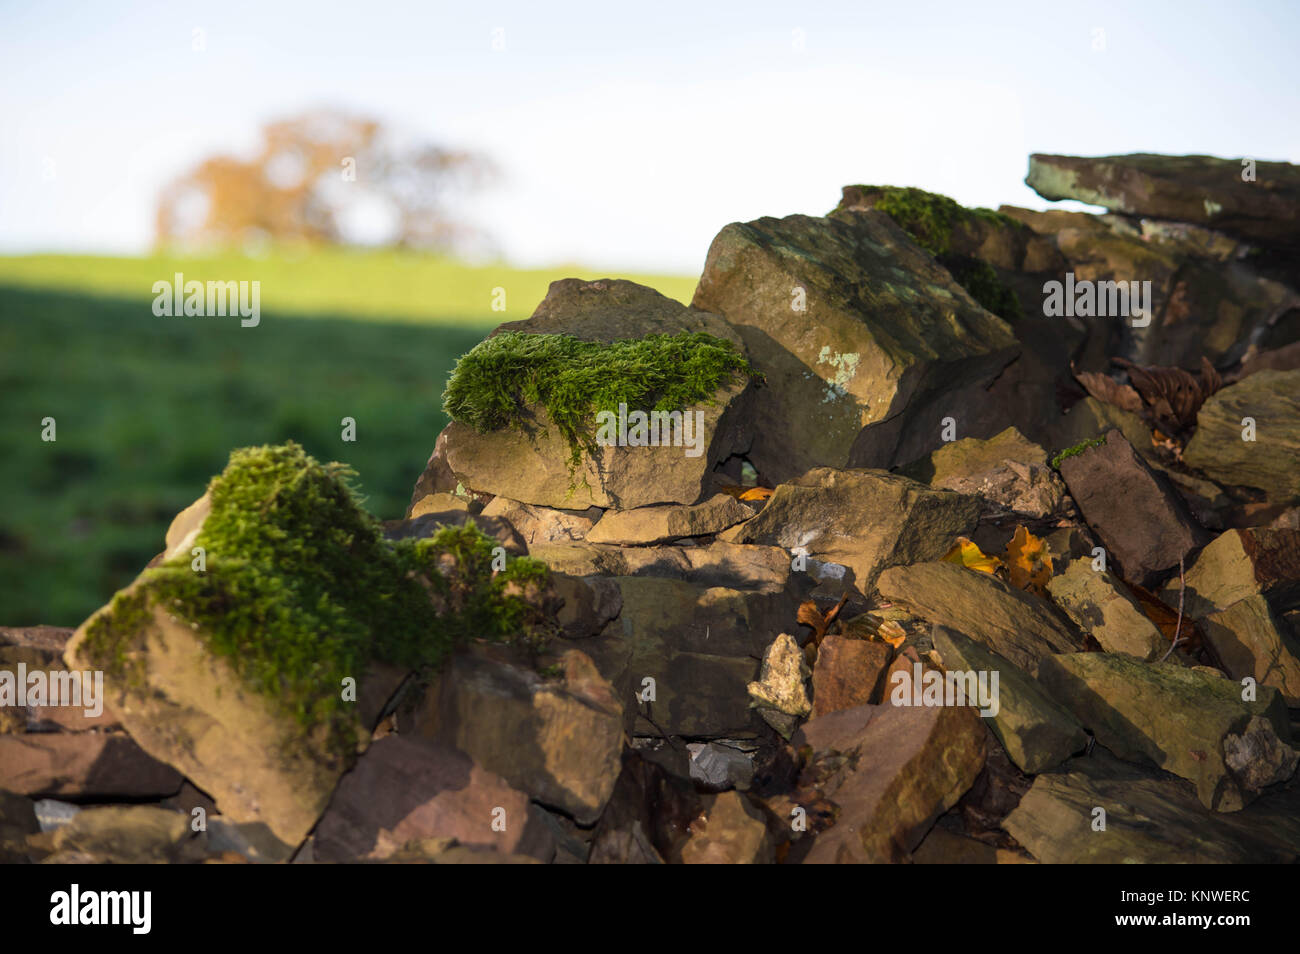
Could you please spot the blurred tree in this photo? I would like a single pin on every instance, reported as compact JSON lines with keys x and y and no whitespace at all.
{"x":326,"y":177}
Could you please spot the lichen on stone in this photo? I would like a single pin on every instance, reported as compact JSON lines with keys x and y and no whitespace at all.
{"x":301,"y":590}
{"x":494,"y":385}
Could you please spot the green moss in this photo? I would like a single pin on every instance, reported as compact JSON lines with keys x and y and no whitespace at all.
{"x":930,"y":218}
{"x":926,"y":216}
{"x":302,"y":591}
{"x":981,"y":281}
{"x":1078,"y":448}
{"x":494,"y":383}
{"x":108,"y":637}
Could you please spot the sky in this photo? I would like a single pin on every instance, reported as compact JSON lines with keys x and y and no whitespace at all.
{"x":627,"y":134}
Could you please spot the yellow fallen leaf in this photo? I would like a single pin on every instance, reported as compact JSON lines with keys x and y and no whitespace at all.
{"x":1029,"y":561}
{"x":970,"y":556}
{"x":756,"y":493}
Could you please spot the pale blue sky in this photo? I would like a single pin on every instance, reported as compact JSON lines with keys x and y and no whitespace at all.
{"x":629,"y":134}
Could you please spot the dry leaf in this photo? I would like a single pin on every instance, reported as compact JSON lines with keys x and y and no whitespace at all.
{"x":1107,"y":389}
{"x":970,"y":556}
{"x":1172,"y":396}
{"x":1029,"y":561}
{"x":810,"y":615}
{"x":756,"y":493}
{"x":892,"y":632}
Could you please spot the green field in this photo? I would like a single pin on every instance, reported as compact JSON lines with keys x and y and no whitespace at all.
{"x":148,"y":408}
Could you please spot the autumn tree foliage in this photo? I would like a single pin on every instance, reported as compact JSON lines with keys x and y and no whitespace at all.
{"x":326,"y":177}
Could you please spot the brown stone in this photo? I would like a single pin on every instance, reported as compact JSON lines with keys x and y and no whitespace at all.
{"x":406,"y":789}
{"x":847,"y":673}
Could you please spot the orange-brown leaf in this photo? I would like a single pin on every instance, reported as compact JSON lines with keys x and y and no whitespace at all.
{"x":1029,"y":561}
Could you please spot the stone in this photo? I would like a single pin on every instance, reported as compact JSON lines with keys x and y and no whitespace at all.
{"x":1239,"y":564}
{"x":661,"y":524}
{"x":847,"y":673}
{"x":867,"y":520}
{"x":1090,"y":418}
{"x":780,"y":695}
{"x":1257,"y":757}
{"x":890,"y":771}
{"x":1015,"y":624}
{"x":40,"y":649}
{"x":718,"y":563}
{"x":1251,"y":640}
{"x":944,"y":847}
{"x":1035,"y":729}
{"x":1201,"y":190}
{"x":404,"y":789}
{"x":683,"y":654}
{"x":730,"y":831}
{"x":17,"y":821}
{"x":253,"y":842}
{"x":1151,"y":818}
{"x":437,"y":477}
{"x":543,"y":524}
{"x":125,"y":834}
{"x":83,"y":765}
{"x":1146,"y":529}
{"x":534,"y":468}
{"x":1174,"y":717}
{"x":47,"y":639}
{"x":556,"y":740}
{"x":862,"y":337}
{"x":1201,"y":305}
{"x":1000,"y":241}
{"x":648,"y":817}
{"x":194,"y":713}
{"x":1272,"y":400}
{"x":717,"y":767}
{"x":589,"y":603}
{"x":1007,"y":470}
{"x":428,"y":524}
{"x":455,"y":508}
{"x":1102,"y":607}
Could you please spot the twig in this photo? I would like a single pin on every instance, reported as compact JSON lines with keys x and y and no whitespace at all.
{"x":1178,"y":626}
{"x":667,"y":738}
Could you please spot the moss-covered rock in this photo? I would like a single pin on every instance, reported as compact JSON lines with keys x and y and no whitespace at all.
{"x":494,"y":385}
{"x":968,"y":242}
{"x":234,"y":670}
{"x":865,"y":341}
{"x":529,"y":404}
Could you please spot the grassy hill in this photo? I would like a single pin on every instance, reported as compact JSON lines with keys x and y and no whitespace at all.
{"x":148,"y":408}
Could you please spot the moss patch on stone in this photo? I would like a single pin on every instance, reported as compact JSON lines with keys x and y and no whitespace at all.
{"x":930,"y":219}
{"x":302,"y":591}
{"x":981,"y":280}
{"x":493,"y":385}
{"x":1078,"y":448}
